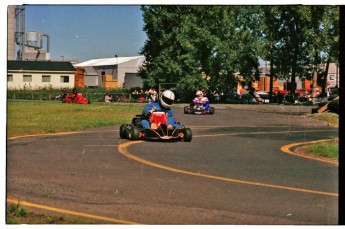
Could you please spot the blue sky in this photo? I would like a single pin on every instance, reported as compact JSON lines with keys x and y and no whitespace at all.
{"x":85,"y":32}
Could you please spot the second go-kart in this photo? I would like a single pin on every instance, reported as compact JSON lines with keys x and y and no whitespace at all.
{"x":198,"y":108}
{"x":162,"y":130}
{"x":73,"y":98}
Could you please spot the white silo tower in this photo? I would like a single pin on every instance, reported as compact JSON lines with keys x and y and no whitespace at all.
{"x":11,"y":20}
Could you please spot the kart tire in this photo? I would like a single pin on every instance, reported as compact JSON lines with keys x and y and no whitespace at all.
{"x":212,"y":110}
{"x":133,"y":133}
{"x":123,"y":131}
{"x":63,"y":100}
{"x":185,"y":110}
{"x":187,"y":135}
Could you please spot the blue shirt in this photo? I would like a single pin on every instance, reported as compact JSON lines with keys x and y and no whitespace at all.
{"x":159,"y":107}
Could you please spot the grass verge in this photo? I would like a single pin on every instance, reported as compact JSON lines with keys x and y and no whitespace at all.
{"x":43,"y":117}
{"x":329,"y":149}
{"x":15,"y":214}
{"x":331,"y":118}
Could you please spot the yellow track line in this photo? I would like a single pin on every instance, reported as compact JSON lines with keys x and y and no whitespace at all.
{"x":286,"y":149}
{"x":108,"y":219}
{"x":123,"y":150}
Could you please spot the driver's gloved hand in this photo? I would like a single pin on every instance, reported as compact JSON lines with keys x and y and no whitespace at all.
{"x":150,"y":112}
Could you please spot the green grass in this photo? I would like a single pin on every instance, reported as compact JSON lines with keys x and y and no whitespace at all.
{"x":329,"y":149}
{"x":331,"y":118}
{"x":42,"y":117}
{"x":15,"y":214}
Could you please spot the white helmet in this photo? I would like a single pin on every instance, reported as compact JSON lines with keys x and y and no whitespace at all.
{"x":167,"y":98}
{"x":198,"y":93}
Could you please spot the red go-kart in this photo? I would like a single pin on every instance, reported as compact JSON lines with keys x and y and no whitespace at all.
{"x":73,"y":98}
{"x":135,"y":131}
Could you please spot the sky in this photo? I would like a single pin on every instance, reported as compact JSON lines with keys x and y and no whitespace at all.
{"x":84,"y":32}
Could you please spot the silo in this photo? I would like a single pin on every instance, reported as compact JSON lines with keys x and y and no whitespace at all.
{"x":11,"y":20}
{"x":32,"y":39}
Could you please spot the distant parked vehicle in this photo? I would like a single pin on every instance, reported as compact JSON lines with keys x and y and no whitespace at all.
{"x":260,"y":97}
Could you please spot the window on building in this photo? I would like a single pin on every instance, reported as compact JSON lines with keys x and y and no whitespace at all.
{"x":331,"y":77}
{"x":9,"y":78}
{"x":46,"y":78}
{"x":64,"y":79}
{"x":27,"y":78}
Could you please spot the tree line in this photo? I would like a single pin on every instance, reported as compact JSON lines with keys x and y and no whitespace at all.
{"x":206,"y":46}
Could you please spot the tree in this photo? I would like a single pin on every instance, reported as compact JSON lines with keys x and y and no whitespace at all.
{"x":291,"y":47}
{"x":170,"y":50}
{"x":185,"y":42}
{"x":322,"y":39}
{"x":300,"y":39}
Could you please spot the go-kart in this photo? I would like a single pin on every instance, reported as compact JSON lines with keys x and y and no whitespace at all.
{"x":73,"y":98}
{"x":198,"y":108}
{"x":163,"y":131}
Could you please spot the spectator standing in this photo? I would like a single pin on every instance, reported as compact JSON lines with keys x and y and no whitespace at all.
{"x":152,"y":94}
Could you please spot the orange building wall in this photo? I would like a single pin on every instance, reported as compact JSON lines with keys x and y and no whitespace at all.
{"x":79,"y":78}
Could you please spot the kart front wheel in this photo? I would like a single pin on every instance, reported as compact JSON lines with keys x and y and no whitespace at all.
{"x":187,"y":135}
{"x":123,"y":131}
{"x":185,"y":110}
{"x":212,"y":110}
{"x":133,"y":133}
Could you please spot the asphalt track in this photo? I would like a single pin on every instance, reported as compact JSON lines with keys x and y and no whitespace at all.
{"x":239,"y":169}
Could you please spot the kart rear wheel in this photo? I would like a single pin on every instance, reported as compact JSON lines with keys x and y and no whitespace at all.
{"x":133,"y":133}
{"x":123,"y":131}
{"x":187,"y":135}
{"x":212,"y":110}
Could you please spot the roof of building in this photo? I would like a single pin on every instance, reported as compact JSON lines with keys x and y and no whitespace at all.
{"x":39,"y":65}
{"x":108,"y":61}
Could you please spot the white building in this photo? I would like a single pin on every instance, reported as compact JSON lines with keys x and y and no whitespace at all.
{"x":39,"y":74}
{"x":123,"y":70}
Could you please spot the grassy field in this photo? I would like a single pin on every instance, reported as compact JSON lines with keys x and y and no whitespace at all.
{"x":39,"y":117}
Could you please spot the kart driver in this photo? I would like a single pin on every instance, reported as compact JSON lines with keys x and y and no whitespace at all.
{"x":164,"y":104}
{"x":201,"y":99}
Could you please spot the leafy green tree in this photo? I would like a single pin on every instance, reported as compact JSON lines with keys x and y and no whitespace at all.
{"x":299,"y":39}
{"x":185,"y":42}
{"x":169,"y":50}
{"x":322,"y":39}
{"x":291,"y":47}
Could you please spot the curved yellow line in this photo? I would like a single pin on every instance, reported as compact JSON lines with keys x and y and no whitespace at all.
{"x":123,"y":150}
{"x":286,"y":149}
{"x":108,"y":219}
